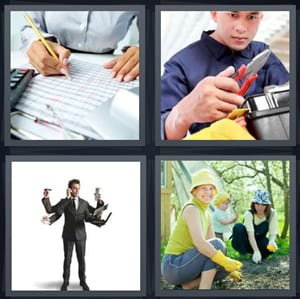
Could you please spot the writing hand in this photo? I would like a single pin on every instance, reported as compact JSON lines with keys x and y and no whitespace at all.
{"x":44,"y":63}
{"x":125,"y":67}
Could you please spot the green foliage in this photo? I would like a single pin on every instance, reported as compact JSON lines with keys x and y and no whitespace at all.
{"x":283,"y":249}
{"x":243,"y":178}
{"x":162,"y":250}
{"x":281,"y":224}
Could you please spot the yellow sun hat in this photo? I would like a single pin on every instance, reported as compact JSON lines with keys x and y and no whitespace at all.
{"x":220,"y":198}
{"x":203,"y":177}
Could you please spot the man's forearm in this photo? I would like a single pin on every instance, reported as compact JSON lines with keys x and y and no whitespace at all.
{"x":47,"y":205}
{"x":58,"y":208}
{"x":54,"y":217}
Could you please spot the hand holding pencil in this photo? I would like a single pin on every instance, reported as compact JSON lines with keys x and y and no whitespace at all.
{"x":47,"y":57}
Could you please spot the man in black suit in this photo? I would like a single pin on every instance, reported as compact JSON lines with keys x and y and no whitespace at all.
{"x":76,"y":211}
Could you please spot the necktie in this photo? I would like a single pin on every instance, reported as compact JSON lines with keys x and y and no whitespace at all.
{"x":73,"y":202}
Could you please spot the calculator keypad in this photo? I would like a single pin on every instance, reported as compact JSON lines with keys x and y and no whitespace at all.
{"x":19,"y":79}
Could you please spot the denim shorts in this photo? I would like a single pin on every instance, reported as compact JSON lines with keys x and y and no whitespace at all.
{"x":177,"y":269}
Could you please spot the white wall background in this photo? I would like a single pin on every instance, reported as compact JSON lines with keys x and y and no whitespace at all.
{"x":112,"y":251}
{"x":17,"y":21}
{"x":181,"y":28}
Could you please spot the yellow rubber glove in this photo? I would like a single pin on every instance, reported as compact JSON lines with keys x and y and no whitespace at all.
{"x":224,"y":129}
{"x":272,"y":246}
{"x":236,"y":275}
{"x":227,"y":263}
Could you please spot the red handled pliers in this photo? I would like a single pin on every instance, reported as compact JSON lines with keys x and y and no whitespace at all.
{"x":250,"y":70}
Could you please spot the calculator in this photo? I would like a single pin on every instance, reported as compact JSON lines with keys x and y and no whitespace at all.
{"x":19,"y":79}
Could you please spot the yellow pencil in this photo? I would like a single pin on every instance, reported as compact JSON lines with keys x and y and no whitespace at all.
{"x":43,"y":40}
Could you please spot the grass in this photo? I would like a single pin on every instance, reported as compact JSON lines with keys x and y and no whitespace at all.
{"x":162,"y":250}
{"x":283,"y":249}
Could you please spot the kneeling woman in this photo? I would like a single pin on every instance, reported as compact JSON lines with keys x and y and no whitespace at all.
{"x":259,"y":221}
{"x":193,"y":254}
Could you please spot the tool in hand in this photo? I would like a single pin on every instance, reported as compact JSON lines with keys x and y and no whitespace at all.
{"x":249,"y":71}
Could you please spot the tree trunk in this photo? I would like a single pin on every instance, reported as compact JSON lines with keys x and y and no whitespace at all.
{"x":286,"y":197}
{"x":268,"y":179}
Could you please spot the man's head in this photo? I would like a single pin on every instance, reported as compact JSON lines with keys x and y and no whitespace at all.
{"x":236,"y":29}
{"x":74,"y":185}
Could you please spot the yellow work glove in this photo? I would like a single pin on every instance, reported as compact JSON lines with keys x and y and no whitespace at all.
{"x":235,"y":275}
{"x":272,"y":246}
{"x":227,"y":263}
{"x":224,"y":129}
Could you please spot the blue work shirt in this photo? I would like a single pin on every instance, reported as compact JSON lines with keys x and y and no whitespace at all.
{"x":208,"y":57}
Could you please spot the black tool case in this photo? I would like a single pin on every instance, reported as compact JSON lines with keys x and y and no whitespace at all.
{"x":269,"y":116}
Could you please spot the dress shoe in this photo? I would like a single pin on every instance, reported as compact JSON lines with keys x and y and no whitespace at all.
{"x":85,"y":287}
{"x":64,"y":286}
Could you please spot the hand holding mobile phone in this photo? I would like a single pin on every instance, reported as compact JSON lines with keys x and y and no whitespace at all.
{"x":68,"y":193}
{"x":97,"y":194}
{"x":46,"y":192}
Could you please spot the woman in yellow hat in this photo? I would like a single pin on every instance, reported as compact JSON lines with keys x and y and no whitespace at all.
{"x":193,"y":254}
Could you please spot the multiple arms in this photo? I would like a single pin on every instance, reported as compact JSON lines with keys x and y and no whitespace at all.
{"x":91,"y":214}
{"x":58,"y":208}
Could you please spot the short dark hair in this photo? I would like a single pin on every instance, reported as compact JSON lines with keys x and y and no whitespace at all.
{"x":74,"y":181}
{"x":267,"y":210}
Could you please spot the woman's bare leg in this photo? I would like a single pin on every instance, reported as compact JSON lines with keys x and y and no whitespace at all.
{"x":207,"y":278}
{"x":191,"y":284}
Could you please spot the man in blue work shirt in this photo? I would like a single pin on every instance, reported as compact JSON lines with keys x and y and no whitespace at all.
{"x":196,"y":89}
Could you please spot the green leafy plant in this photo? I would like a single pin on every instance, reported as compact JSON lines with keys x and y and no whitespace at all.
{"x":162,"y":250}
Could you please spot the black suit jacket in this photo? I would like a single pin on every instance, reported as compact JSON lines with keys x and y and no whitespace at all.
{"x":74,"y":227}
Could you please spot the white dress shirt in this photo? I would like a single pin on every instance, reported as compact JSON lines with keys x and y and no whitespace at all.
{"x":96,"y":31}
{"x":76,"y":202}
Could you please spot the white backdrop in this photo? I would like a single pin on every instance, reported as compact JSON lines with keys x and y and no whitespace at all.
{"x":112,"y":251}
